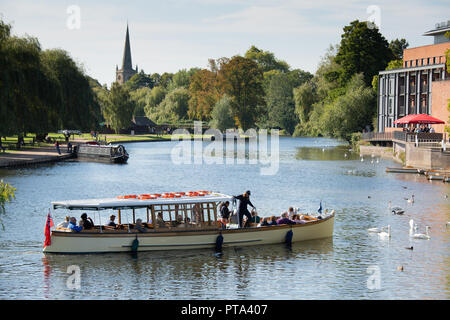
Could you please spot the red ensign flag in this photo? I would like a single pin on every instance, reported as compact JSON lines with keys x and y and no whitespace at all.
{"x":48,"y":225}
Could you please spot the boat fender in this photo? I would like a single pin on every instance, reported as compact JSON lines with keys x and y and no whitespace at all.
{"x":219,"y":243}
{"x":135,"y":245}
{"x":288,"y":237}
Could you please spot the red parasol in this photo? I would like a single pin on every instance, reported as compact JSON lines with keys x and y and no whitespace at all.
{"x":418,"y":118}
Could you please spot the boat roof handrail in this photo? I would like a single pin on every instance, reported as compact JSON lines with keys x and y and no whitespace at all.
{"x":116,"y":204}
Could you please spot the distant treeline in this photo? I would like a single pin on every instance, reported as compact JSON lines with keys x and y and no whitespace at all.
{"x":46,"y":90}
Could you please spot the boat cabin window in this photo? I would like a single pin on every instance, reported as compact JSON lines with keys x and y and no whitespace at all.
{"x":184,"y":215}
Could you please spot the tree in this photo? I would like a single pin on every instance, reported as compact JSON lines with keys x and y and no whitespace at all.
{"x":174,"y":107}
{"x":140,"y":97}
{"x":204,"y":94}
{"x":304,"y":98}
{"x":351,"y":112}
{"x":266,"y":60}
{"x":140,"y":80}
{"x":241,"y":79}
{"x":119,"y":107}
{"x":221,"y":115}
{"x":280,"y":102}
{"x":397,"y":46}
{"x":153,"y":99}
{"x":362,"y":50}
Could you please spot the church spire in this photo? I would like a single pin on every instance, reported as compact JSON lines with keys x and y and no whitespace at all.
{"x":126,"y":62}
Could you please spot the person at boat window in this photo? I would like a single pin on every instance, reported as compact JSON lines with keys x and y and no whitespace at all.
{"x":73,"y":225}
{"x":65,"y":223}
{"x":224,"y":214}
{"x":86,"y":222}
{"x":160,"y":220}
{"x":284,"y":219}
{"x":179,"y":222}
{"x":111,"y":222}
{"x":198,"y":214}
{"x":255,"y":220}
{"x":139,"y":226}
{"x":244,"y":201}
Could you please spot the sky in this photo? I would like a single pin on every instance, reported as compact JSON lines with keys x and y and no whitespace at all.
{"x":169,"y":35}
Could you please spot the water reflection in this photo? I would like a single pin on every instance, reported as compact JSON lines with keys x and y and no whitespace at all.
{"x":342,"y":152}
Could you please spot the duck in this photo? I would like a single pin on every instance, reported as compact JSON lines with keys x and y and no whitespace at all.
{"x":410,"y":248}
{"x":398,"y":210}
{"x":384,"y":234}
{"x":362,"y":159}
{"x":378,"y":160}
{"x":411,"y":200}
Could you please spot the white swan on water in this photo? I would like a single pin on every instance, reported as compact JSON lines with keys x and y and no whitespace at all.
{"x":424,"y":236}
{"x":375,"y":230}
{"x":384,"y":234}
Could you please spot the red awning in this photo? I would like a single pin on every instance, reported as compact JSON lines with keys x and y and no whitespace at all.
{"x":418,"y":118}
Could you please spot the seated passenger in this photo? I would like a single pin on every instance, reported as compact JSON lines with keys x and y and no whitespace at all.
{"x":86,"y":222}
{"x":273,"y":221}
{"x":291,"y":212}
{"x":160,"y":221}
{"x":73,"y":225}
{"x":139,"y":226}
{"x":298,"y":219}
{"x":65,"y":223}
{"x":111,"y":222}
{"x":284,"y":219}
{"x":255,"y":220}
{"x":265,"y":222}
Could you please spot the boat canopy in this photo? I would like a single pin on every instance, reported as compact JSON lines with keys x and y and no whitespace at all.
{"x":134,"y":203}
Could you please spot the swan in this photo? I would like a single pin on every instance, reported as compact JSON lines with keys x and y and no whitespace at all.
{"x":362,"y":159}
{"x":378,"y":160}
{"x":375,"y":230}
{"x":424,"y":236}
{"x":384,"y":234}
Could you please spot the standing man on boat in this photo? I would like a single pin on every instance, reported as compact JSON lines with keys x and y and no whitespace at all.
{"x":244,"y":201}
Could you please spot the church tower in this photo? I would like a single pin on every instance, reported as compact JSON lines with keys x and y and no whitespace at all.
{"x":127,"y":71}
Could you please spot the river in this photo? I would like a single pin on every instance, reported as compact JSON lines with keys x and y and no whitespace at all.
{"x":352,"y":265}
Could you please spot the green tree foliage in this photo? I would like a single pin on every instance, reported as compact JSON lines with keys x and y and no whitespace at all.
{"x":140,"y":98}
{"x":280,"y":102}
{"x":241,"y":79}
{"x":174,"y":107}
{"x":154,"y":98}
{"x":350,"y":112}
{"x":266,"y":60}
{"x":140,"y":80}
{"x":362,"y":50}
{"x":118,"y":107}
{"x":397,"y":46}
{"x":304,"y":98}
{"x":40,"y":90}
{"x":221,"y":115}
{"x":79,"y":109}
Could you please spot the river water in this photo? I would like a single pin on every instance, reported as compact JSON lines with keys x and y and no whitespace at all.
{"x":352,"y":265}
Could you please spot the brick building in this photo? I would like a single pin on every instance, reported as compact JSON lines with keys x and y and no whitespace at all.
{"x":421,"y":86}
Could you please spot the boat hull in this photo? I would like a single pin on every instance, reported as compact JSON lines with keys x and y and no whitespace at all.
{"x":95,"y":242}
